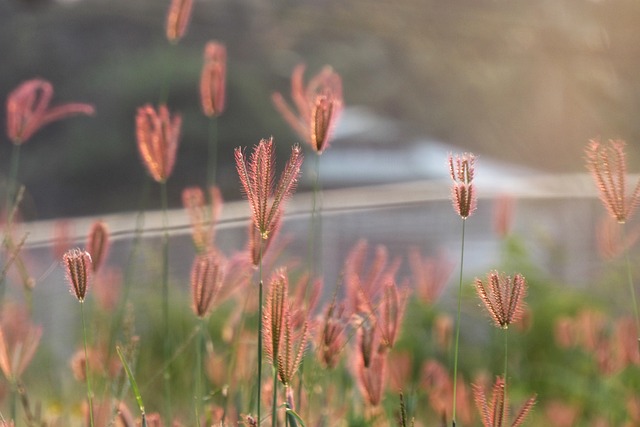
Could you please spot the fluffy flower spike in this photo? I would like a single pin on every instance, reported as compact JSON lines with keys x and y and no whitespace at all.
{"x":178,"y":19}
{"x":319,"y":105}
{"x":28,"y":109}
{"x":206,"y":281}
{"x":78,"y":268}
{"x":607,"y":164}
{"x":503,"y":297}
{"x":463,"y":193}
{"x":213,"y":78}
{"x":257,"y":179}
{"x":158,"y":136}
{"x":494,"y":414}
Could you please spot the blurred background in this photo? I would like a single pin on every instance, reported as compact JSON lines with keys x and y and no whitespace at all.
{"x":521,"y":83}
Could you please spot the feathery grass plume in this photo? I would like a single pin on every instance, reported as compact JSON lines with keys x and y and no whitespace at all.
{"x":19,"y":339}
{"x":202,"y":215}
{"x":178,"y":18}
{"x":503,"y":212}
{"x":463,"y":194}
{"x":257,"y":178}
{"x":443,"y":331}
{"x":207,"y":275}
{"x":561,"y":414}
{"x":503,"y":297}
{"x":430,"y":274}
{"x":363,"y":282}
{"x":213,"y":79}
{"x":607,"y":164}
{"x":402,"y":419}
{"x":285,"y":342}
{"x":624,"y":340}
{"x":274,"y":314}
{"x":206,"y":280}
{"x":28,"y":109}
{"x":369,"y":364}
{"x":78,"y":268}
{"x":318,"y":105}
{"x":332,"y":336}
{"x":612,"y":240}
{"x":158,"y":136}
{"x":435,"y":380}
{"x":98,"y":244}
{"x":391,"y":314}
{"x":323,"y":119}
{"x":256,"y":246}
{"x":495,"y":413}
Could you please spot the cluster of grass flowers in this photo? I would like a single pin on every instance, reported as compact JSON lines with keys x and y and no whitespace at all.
{"x":377,"y":348}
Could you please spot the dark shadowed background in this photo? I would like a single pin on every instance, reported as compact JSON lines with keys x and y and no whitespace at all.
{"x":522,"y":82}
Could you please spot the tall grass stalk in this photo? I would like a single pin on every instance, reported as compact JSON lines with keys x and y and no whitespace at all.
{"x":315,"y":230}
{"x":134,"y":386}
{"x":86,"y":364}
{"x":10,"y":206}
{"x":457,"y":348}
{"x":200,"y":348}
{"x":129,"y":268}
{"x":212,"y":164}
{"x":260,"y":297}
{"x":274,"y":403}
{"x":165,"y":300}
{"x":632,"y":288}
{"x":506,"y":352}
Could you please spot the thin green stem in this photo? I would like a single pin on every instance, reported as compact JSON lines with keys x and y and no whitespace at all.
{"x":165,"y":300}
{"x":168,"y":73}
{"x":274,"y":403}
{"x":9,"y":205}
{"x":199,"y":398}
{"x":232,"y":359}
{"x":506,"y":349}
{"x":455,"y":357}
{"x":213,"y":152}
{"x":86,"y":363}
{"x":129,"y":269}
{"x":632,"y":288}
{"x":13,"y":177}
{"x":13,"y":401}
{"x":315,"y":230}
{"x":259,"y":334}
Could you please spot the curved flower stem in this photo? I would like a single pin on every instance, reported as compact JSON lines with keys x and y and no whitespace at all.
{"x":86,"y":363}
{"x":455,"y":357}
{"x":165,"y":300}
{"x":631,"y":287}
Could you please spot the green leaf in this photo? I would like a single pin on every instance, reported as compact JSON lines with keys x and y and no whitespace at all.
{"x":134,"y":384}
